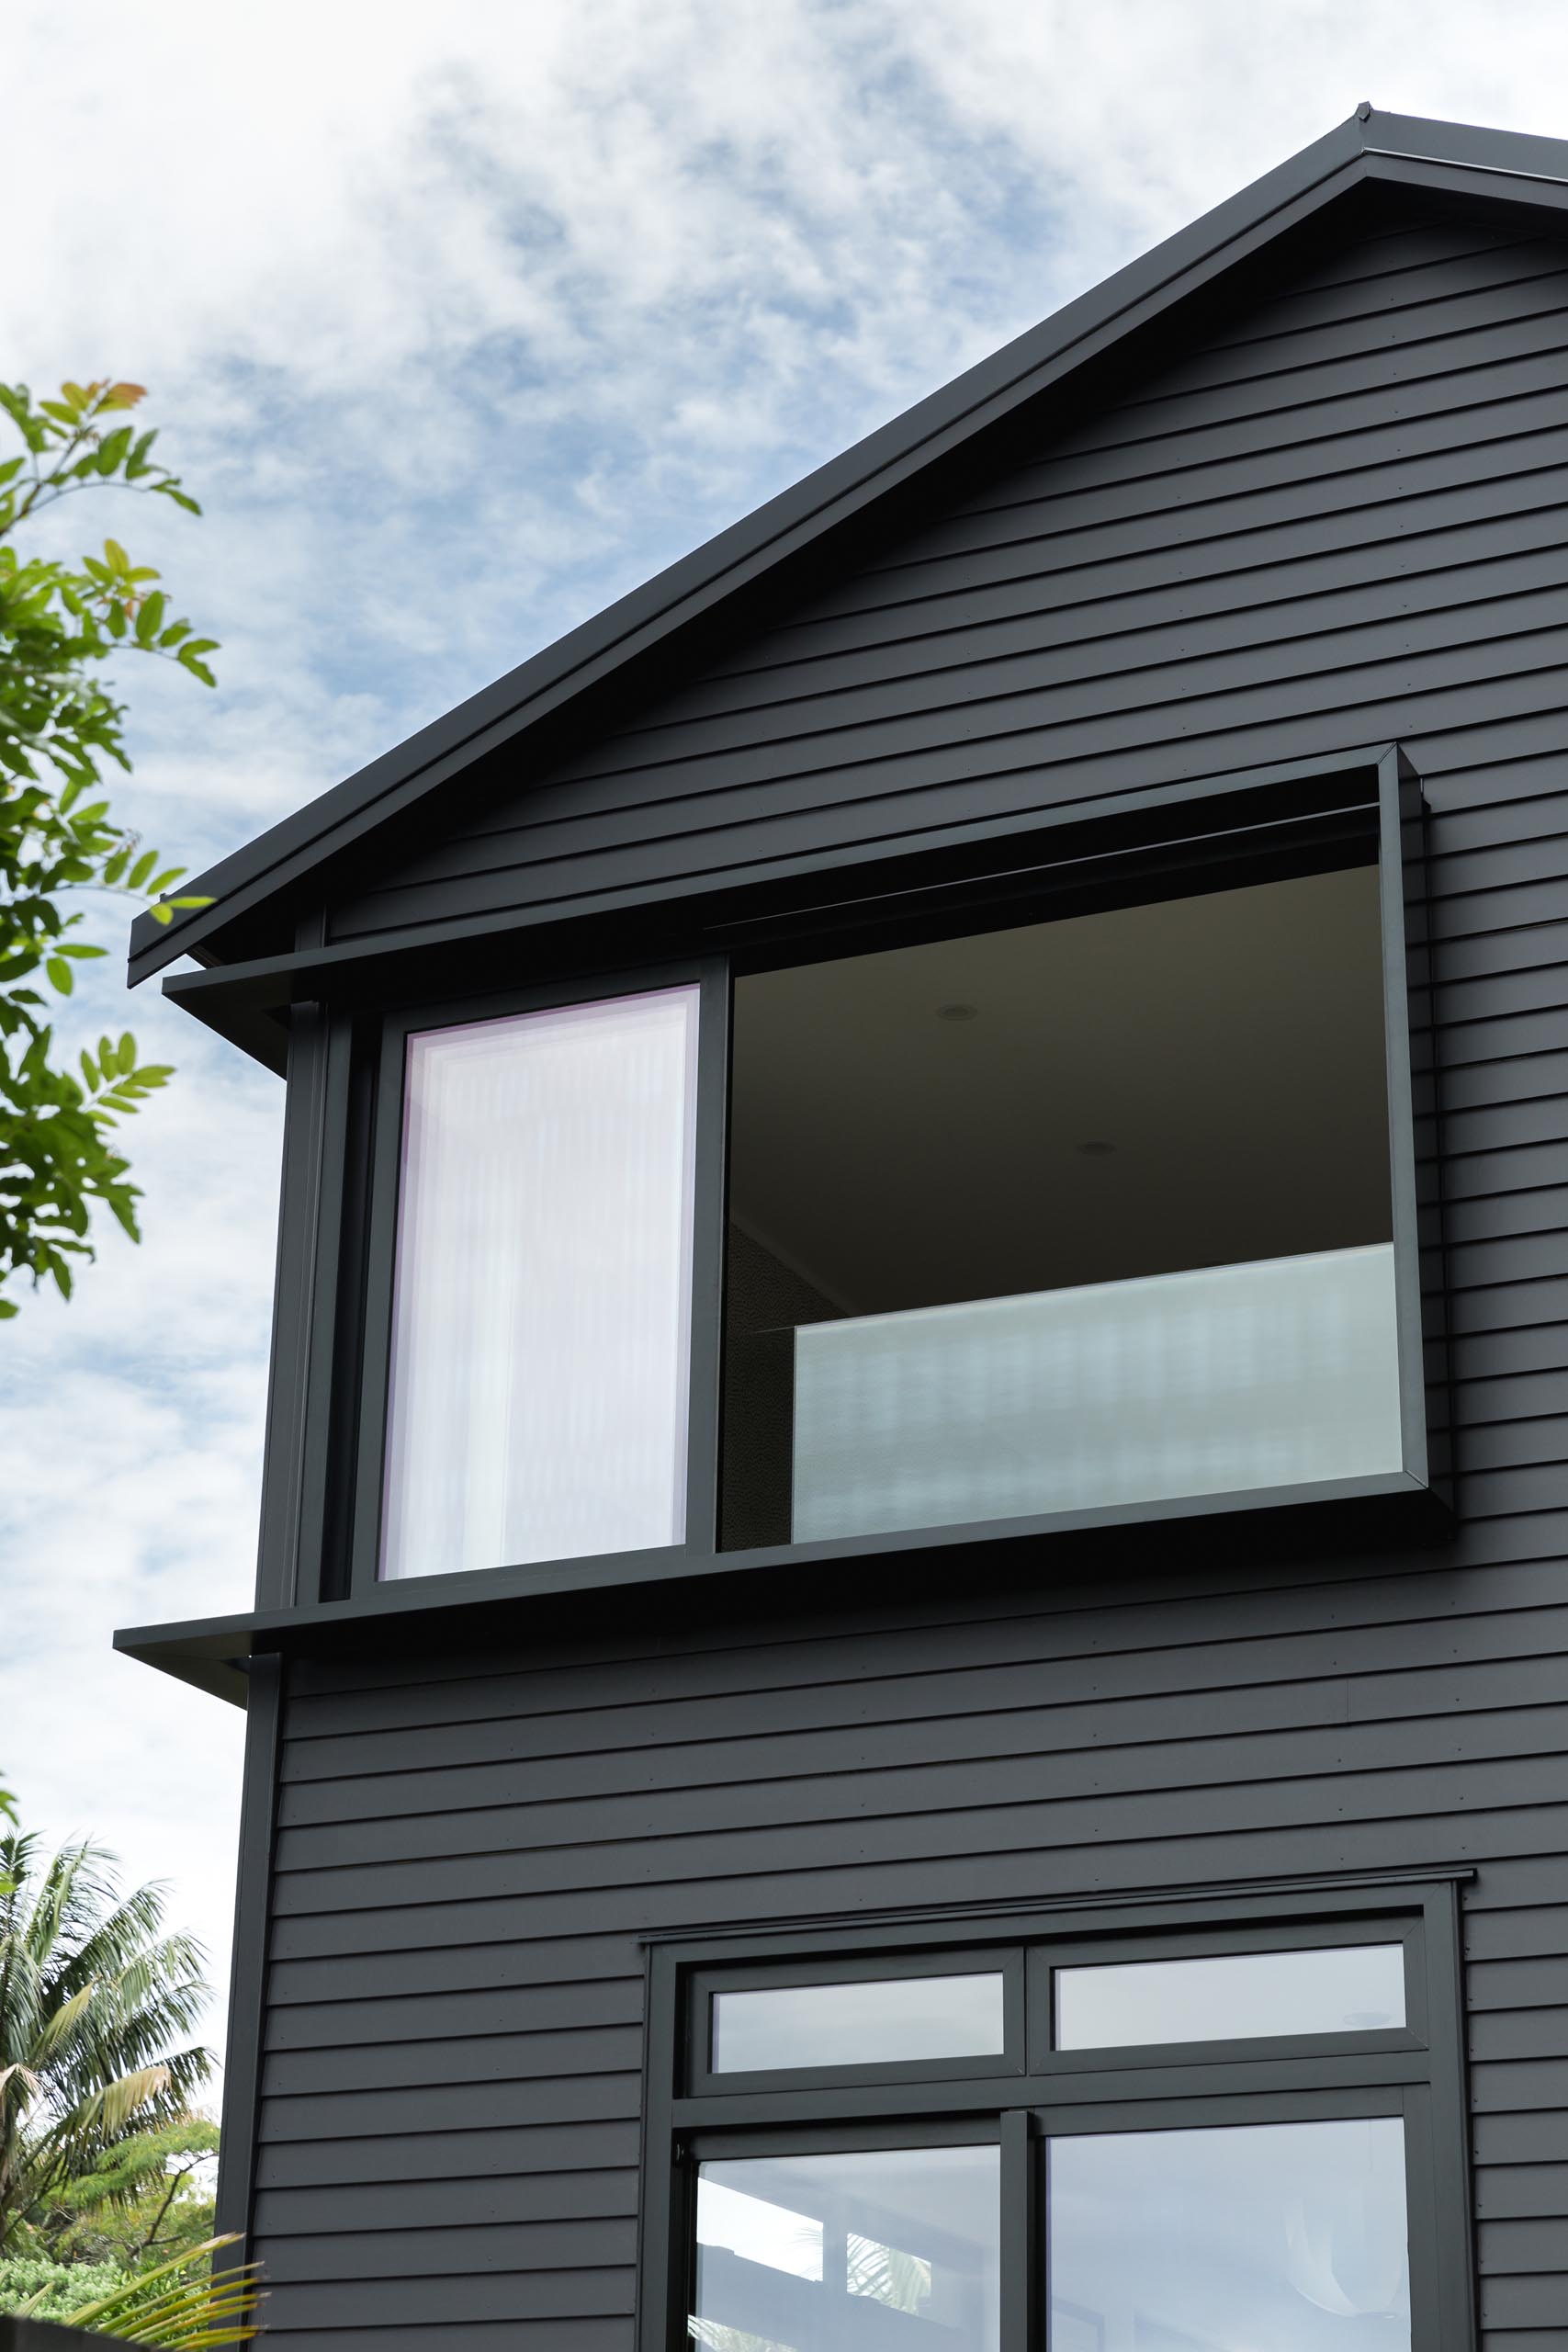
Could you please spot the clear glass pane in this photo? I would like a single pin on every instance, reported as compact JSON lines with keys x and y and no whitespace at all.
{"x":1220,"y":1380}
{"x":1352,"y":1988}
{"x":866,"y":2024}
{"x":878,"y":2247}
{"x":1072,"y":1215}
{"x":1278,"y":2237}
{"x":541,"y":1326}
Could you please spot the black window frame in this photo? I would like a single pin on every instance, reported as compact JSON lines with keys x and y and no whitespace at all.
{"x":1004,"y":1961}
{"x":709,"y":976}
{"x":1170,"y":840}
{"x":1416,"y":2073}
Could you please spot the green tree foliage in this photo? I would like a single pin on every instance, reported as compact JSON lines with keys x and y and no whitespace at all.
{"x":48,"y":2289}
{"x":179,"y":2303}
{"x":96,"y":2003}
{"x":150,"y":2194}
{"x":59,"y":726}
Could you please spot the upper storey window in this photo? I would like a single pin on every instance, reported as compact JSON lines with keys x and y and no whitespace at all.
{"x":1088,"y":1212}
{"x":541,"y":1320}
{"x":1082,"y":1194}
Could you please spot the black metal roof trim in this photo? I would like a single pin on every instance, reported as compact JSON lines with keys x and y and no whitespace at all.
{"x":1196,"y":1894}
{"x":1405,"y":151}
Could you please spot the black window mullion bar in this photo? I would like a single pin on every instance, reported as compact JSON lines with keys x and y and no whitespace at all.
{"x":1020,"y":2249}
{"x":1095,"y":2087}
{"x":709,"y":1234}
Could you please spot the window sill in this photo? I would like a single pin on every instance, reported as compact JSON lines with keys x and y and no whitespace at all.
{"x":1395,"y":1507}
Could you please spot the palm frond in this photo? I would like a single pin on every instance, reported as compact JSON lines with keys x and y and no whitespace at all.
{"x":55,"y":2032}
{"x":97,"y":2008}
{"x":214,"y":2308}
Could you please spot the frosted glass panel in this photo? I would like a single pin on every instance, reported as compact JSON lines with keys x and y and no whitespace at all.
{"x":878,"y":2247}
{"x":1280,"y":1372}
{"x":1270,"y":2237}
{"x":1354,"y":1988}
{"x":541,"y":1327}
{"x":863,"y":2024}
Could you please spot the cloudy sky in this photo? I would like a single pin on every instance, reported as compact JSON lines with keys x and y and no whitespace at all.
{"x":461,"y":320}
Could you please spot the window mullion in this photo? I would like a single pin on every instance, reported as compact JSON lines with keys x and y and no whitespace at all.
{"x":1021,"y":2302}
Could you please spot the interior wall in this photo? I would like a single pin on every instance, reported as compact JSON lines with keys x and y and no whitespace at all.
{"x":1196,"y":1081}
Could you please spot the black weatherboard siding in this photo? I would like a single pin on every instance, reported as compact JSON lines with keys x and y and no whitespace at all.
{"x":1339,"y":521}
{"x":1331,"y":512}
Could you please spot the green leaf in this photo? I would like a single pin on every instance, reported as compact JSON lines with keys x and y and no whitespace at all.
{"x":60,"y":726}
{"x":190,"y":656}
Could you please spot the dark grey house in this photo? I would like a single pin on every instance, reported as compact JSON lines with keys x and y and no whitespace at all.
{"x":909,"y":1674}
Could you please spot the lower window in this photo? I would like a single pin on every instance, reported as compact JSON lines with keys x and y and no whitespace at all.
{"x":1242,"y":2235}
{"x":1235,"y":2134}
{"x":869,"y":2245}
{"x":1236,"y":2234}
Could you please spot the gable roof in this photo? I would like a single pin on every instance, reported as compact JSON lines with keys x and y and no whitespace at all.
{"x":596,"y":663}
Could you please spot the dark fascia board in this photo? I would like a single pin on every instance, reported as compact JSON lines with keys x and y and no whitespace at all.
{"x":1403,"y":151}
{"x":249,"y":1003}
{"x":1381,"y":1515}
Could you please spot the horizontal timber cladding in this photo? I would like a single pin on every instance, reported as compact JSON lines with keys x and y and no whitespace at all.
{"x":470,"y":1847}
{"x":1341,"y":519}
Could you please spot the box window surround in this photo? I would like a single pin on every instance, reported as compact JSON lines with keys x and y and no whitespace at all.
{"x":822,"y":1241}
{"x":1043,"y":2199}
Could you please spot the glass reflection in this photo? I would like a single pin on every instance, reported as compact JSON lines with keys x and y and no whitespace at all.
{"x":830,"y":2252}
{"x":1279,"y":2237}
{"x":1350,"y":1988}
{"x":863,"y":2024}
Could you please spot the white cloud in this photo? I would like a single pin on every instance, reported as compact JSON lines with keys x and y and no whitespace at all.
{"x":461,"y":320}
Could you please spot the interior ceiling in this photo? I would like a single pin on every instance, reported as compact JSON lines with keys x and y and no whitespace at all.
{"x":1194,"y":1082}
